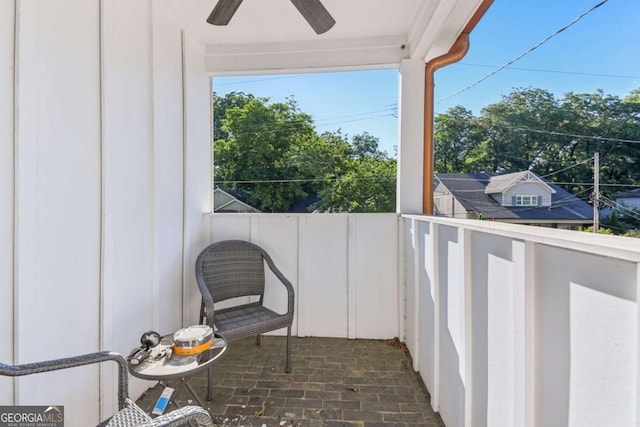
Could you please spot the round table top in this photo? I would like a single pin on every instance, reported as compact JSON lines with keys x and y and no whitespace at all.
{"x":161,"y":364}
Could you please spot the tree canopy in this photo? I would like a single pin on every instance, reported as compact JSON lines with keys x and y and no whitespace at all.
{"x":556,"y":138}
{"x":272,"y":152}
{"x":531,"y":129}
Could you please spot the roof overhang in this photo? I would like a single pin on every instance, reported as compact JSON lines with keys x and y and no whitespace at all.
{"x":272,"y":37}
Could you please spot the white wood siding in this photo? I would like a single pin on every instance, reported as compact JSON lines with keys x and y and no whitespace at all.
{"x":527,"y":189}
{"x":58,"y":200}
{"x":103,"y":226}
{"x":344,"y":268}
{"x":523,"y":324}
{"x":7,"y":18}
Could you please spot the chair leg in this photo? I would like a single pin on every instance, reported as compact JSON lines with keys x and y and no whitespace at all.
{"x":210,"y":384}
{"x":258,"y":340}
{"x":288,"y":367}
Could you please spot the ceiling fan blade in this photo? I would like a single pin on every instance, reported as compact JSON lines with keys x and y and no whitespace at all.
{"x":316,"y":15}
{"x":223,"y":12}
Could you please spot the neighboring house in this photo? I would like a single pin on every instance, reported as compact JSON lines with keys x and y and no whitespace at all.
{"x":231,"y":201}
{"x":521,"y":197}
{"x":628,"y":199}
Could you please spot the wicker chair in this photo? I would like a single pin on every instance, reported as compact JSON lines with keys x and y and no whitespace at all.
{"x":234,"y":268}
{"x":130,"y":414}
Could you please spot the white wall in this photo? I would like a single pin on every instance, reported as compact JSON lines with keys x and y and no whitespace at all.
{"x":411,"y":135}
{"x":7,"y":17}
{"x":198,"y":165}
{"x":168,"y":171}
{"x":527,"y":326}
{"x":128,"y":175}
{"x":58,"y":198}
{"x":344,"y":269}
{"x":103,"y":223}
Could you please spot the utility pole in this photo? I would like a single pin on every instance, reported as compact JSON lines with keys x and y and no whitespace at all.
{"x":596,"y":192}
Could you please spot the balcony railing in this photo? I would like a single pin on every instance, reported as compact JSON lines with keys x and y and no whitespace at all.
{"x":508,"y":325}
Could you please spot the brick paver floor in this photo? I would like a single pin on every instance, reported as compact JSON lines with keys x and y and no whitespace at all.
{"x":334,"y":382}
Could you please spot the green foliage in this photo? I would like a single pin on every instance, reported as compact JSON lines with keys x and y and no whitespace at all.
{"x":256,"y":155}
{"x":530,"y":129}
{"x":272,"y":152}
{"x":458,"y":141}
{"x":359,"y":177}
{"x":601,"y":230}
{"x":623,"y":221}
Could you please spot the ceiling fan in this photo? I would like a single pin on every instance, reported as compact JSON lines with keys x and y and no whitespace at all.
{"x":312,"y":10}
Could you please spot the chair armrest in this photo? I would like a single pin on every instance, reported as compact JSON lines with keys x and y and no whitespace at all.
{"x":287,"y":284}
{"x":72,"y":362}
{"x":183,"y":416}
{"x":206,"y":306}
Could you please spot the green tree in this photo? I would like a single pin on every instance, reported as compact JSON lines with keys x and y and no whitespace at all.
{"x":600,"y":119}
{"x":360,"y":177}
{"x":255,"y":156}
{"x":511,"y":145}
{"x":273,"y":153}
{"x":220,"y":106}
{"x":457,"y":142}
{"x":624,"y":220}
{"x":530,"y":129}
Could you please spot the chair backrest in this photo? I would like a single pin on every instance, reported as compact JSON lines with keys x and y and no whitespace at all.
{"x":231,"y":268}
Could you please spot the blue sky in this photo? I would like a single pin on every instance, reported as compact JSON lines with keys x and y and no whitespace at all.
{"x":601,"y":51}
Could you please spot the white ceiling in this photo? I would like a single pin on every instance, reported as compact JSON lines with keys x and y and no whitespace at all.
{"x":264,"y":35}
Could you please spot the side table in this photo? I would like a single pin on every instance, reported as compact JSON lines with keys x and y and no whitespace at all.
{"x":163,"y":366}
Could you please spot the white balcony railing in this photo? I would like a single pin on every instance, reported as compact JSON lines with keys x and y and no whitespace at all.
{"x":508,"y":325}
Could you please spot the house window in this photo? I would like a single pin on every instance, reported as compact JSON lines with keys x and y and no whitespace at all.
{"x":526,"y":200}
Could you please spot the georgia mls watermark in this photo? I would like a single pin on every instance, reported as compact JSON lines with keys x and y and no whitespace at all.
{"x":31,"y":416}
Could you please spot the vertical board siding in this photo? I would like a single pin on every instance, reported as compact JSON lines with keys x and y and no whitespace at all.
{"x":376,"y":290}
{"x":168,"y":171}
{"x":585,"y":317}
{"x":275,"y":233}
{"x":7,"y":40}
{"x":128,"y":173}
{"x":451,"y":342}
{"x":98,"y":155}
{"x":314,"y":253}
{"x":58,"y":199}
{"x":410,"y":129}
{"x":580,"y":368}
{"x":198,"y":169}
{"x":411,"y":252}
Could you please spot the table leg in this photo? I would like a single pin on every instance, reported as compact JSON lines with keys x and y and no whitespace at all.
{"x":210,"y":384}
{"x":194,"y":394}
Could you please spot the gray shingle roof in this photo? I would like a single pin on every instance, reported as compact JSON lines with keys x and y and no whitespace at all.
{"x":469,"y":190}
{"x":628,"y":194}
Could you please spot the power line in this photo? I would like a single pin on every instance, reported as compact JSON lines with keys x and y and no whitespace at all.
{"x":552,"y":182}
{"x":573,"y":135}
{"x":624,"y":209}
{"x":281,"y":181}
{"x":390,"y":110}
{"x":567,"y":168}
{"x":539,"y":70}
{"x":528,"y":51}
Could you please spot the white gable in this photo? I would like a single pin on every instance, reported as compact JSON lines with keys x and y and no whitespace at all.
{"x":501,"y":184}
